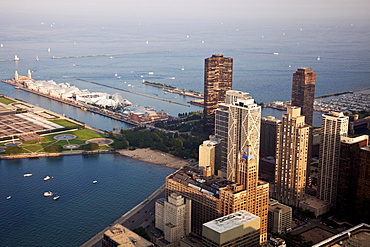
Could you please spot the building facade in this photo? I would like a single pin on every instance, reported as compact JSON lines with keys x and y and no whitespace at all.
{"x":235,"y":124}
{"x":218,"y":74}
{"x":237,"y":229}
{"x":303,"y":92}
{"x":173,"y":217}
{"x":353,"y":191}
{"x":334,"y":125}
{"x":213,"y":197}
{"x":269,"y":131}
{"x":291,"y":158}
{"x":279,"y":217}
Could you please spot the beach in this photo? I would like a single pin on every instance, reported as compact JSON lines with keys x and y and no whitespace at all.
{"x":155,"y":157}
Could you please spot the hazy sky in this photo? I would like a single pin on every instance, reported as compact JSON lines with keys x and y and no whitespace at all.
{"x":186,"y":9}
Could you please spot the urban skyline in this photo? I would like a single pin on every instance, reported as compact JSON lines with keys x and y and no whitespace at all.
{"x":193,"y":31}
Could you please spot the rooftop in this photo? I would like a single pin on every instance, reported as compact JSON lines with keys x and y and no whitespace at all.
{"x":124,"y":237}
{"x":231,"y":221}
{"x":194,"y":178}
{"x":356,"y":236}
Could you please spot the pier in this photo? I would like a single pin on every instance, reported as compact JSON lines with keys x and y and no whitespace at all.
{"x":111,"y":55}
{"x":128,"y":91}
{"x":76,"y":104}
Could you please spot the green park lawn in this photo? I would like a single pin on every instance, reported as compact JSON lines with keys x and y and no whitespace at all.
{"x":64,"y":123}
{"x":6,"y":101}
{"x":81,"y":137}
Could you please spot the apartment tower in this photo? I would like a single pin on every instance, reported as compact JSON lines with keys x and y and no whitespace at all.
{"x":218,"y":74}
{"x":353,"y":193}
{"x":291,"y":157}
{"x":303,"y":92}
{"x":237,"y":122}
{"x":334,"y":125}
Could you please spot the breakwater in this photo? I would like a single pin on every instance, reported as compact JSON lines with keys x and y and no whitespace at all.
{"x":111,"y":55}
{"x":128,"y":91}
{"x":172,"y":89}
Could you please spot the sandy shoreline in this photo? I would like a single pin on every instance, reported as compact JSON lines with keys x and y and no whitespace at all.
{"x":155,"y":157}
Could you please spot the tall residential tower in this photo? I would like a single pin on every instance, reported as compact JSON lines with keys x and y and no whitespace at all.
{"x":291,"y":158}
{"x":218,"y":74}
{"x":303,"y":92}
{"x":333,"y":126}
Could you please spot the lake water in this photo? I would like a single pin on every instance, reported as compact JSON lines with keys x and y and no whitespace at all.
{"x":29,"y":219}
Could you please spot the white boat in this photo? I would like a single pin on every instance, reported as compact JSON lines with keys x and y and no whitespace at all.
{"x":94,"y":182}
{"x":151,"y":73}
{"x":56,"y":197}
{"x":48,"y":193}
{"x":8,"y":197}
{"x":276,"y":53}
{"x":46,"y":178}
{"x":27,"y":175}
{"x":318,"y":58}
{"x":37,"y":58}
{"x":182,"y":68}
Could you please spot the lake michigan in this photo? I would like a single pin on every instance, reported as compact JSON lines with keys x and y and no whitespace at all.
{"x":84,"y":208}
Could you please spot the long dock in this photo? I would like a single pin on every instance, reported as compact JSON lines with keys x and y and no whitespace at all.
{"x":111,"y":55}
{"x":128,"y":91}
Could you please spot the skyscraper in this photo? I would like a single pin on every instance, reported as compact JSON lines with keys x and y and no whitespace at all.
{"x":291,"y":157}
{"x":353,"y":193}
{"x":269,"y":131}
{"x":303,"y":92}
{"x":333,"y":126}
{"x":218,"y":73}
{"x":235,"y":124}
{"x":214,"y":196}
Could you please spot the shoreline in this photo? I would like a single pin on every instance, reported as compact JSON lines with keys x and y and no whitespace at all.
{"x":155,"y":157}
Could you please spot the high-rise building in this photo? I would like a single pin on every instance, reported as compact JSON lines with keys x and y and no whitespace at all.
{"x":172,"y":217}
{"x":218,"y":74}
{"x":334,"y":125}
{"x":303,"y":92}
{"x":214,"y":196}
{"x":237,"y":229}
{"x":269,"y":131}
{"x":235,"y":124}
{"x":353,"y":193}
{"x":279,"y":217}
{"x":291,"y":158}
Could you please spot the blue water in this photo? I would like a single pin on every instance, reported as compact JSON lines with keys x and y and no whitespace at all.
{"x":29,"y":219}
{"x":84,"y":208}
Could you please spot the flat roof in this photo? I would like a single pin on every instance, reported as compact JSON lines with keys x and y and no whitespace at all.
{"x":125,"y":237}
{"x":231,"y":221}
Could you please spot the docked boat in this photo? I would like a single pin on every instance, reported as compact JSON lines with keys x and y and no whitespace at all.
{"x":56,"y":198}
{"x":48,"y":193}
{"x":27,"y":175}
{"x":46,"y":178}
{"x":94,"y":182}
